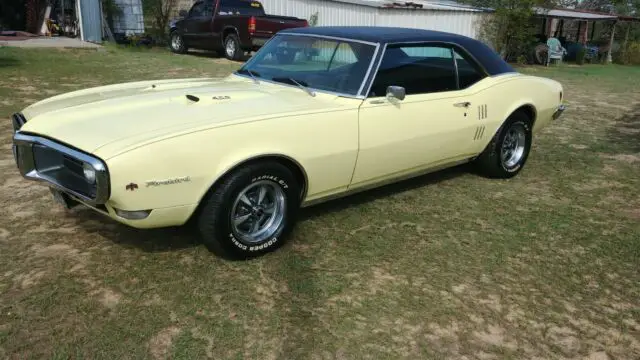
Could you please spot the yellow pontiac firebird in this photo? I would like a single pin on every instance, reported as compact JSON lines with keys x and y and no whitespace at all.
{"x":317,"y":113}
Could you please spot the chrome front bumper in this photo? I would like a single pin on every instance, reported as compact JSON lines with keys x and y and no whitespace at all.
{"x":559,"y":112}
{"x":44,"y":160}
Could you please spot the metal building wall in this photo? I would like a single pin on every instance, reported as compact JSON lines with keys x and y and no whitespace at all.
{"x":91,"y":17}
{"x":343,"y":14}
{"x":329,"y":12}
{"x":458,"y":22}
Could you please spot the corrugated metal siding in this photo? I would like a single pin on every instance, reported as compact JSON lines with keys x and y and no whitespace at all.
{"x":458,"y":22}
{"x":344,"y":14}
{"x":91,"y":21}
{"x":329,"y":12}
{"x":131,"y":21}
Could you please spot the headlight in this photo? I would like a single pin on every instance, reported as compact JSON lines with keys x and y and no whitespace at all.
{"x":89,"y":173}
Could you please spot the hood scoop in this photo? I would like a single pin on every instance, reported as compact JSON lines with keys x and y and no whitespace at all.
{"x":193,"y":98}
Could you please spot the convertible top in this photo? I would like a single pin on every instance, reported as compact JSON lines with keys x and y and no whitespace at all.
{"x":487,"y":58}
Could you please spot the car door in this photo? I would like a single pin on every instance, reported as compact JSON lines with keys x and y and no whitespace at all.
{"x":432,"y":125}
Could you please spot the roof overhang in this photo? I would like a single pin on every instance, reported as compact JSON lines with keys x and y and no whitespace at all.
{"x":575,"y":14}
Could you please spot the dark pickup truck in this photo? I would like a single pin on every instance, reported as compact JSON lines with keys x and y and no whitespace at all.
{"x":229,"y":26}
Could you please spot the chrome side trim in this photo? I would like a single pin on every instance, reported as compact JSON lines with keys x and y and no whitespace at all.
{"x":385,"y":182}
{"x":329,"y":37}
{"x":373,"y":76}
{"x":559,"y":111}
{"x":26,"y":164}
{"x":366,"y":75}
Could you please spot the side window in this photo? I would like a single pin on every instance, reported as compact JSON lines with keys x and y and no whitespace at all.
{"x":421,"y":69}
{"x":197,"y":9}
{"x":208,"y":8}
{"x":468,"y":71}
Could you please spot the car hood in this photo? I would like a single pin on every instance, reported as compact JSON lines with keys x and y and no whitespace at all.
{"x":105,"y":120}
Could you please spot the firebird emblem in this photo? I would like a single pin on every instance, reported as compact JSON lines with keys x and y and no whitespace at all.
{"x":131,"y":186}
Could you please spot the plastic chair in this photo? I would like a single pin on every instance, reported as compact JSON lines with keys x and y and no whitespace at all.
{"x":555,"y":51}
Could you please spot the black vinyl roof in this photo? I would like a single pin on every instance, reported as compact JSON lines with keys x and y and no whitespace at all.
{"x":485,"y":56}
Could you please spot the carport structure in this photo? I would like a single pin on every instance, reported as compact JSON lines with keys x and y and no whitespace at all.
{"x":554,"y":21}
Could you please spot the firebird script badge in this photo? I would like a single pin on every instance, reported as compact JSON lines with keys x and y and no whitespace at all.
{"x":169,"y":181}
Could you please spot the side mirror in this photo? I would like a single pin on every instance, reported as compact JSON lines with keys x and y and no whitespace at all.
{"x":183,"y":13}
{"x":397,"y":92}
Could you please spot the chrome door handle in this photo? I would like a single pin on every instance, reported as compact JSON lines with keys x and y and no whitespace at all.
{"x":462,"y":104}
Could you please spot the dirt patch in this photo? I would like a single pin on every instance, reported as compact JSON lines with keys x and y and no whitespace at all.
{"x":107,"y":297}
{"x":160,"y":344}
{"x":627,"y":158}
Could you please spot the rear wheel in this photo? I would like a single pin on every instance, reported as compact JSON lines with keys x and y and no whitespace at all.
{"x":508,"y":151}
{"x":251,"y":211}
{"x":232,"y":50}
{"x":177,"y":43}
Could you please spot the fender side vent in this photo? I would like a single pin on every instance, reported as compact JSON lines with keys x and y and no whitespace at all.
{"x":482,"y":112}
{"x":193,"y":98}
{"x":479,"y":133}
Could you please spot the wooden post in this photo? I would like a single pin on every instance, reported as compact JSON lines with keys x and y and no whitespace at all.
{"x":579,"y":31}
{"x":613,"y":35}
{"x":626,"y":40}
{"x":593,"y":31}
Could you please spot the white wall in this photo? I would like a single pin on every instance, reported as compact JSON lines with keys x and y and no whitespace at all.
{"x":344,"y":14}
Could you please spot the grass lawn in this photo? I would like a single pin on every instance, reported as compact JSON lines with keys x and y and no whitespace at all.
{"x":450,"y":265}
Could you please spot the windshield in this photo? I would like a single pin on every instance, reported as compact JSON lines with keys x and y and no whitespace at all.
{"x":322,"y":64}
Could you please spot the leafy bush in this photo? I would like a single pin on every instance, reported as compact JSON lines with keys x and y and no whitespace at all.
{"x":629,"y":55}
{"x":157,"y":14}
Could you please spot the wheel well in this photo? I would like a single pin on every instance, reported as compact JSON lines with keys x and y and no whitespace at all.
{"x":226,"y":33}
{"x":295,"y":168}
{"x":530,"y":112}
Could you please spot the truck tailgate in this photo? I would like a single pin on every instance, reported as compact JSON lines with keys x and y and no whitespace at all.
{"x":268,"y":25}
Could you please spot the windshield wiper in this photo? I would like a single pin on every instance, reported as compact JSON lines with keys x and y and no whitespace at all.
{"x":301,"y":84}
{"x":254,"y":74}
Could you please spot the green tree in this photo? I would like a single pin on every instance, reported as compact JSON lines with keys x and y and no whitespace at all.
{"x":158,"y":14}
{"x":510,"y":30}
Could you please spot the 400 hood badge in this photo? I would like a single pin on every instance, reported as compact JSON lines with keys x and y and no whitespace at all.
{"x":168,"y":181}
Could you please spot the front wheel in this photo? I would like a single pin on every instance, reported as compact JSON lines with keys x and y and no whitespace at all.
{"x":177,"y":43}
{"x":251,"y":211}
{"x":508,"y":151}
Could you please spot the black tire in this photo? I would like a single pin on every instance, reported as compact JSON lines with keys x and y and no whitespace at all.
{"x":491,"y":164}
{"x":214,"y":218}
{"x":179,"y":46}
{"x":235,"y":43}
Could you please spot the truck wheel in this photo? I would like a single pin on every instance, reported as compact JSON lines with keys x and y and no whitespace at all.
{"x":508,"y":151}
{"x":250,"y":212}
{"x":177,"y":43}
{"x":232,"y":50}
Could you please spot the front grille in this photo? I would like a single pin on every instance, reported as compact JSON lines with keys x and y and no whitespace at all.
{"x":61,"y":166}
{"x":62,"y":169}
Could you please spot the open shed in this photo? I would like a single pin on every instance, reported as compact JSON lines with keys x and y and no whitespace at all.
{"x":579,"y":26}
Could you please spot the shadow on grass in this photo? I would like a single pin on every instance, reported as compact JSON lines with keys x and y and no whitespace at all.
{"x":8,"y":61}
{"x":176,"y":238}
{"x":216,"y":55}
{"x":624,"y":136}
{"x":383,"y":191}
{"x":147,"y":240}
